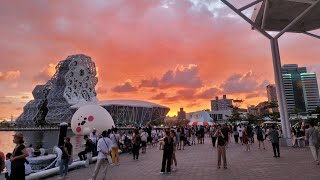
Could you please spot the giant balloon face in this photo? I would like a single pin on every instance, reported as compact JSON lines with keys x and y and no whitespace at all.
{"x":90,"y":117}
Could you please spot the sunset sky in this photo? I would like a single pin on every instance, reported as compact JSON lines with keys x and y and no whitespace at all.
{"x":178,"y":53}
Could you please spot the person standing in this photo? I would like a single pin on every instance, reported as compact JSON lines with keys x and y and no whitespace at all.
{"x":240,"y":134}
{"x":260,"y":136}
{"x":167,"y":154}
{"x":94,"y":138}
{"x":174,"y":159}
{"x":274,"y":138}
{"x":65,"y":158}
{"x":182,"y":139}
{"x":213,"y":137}
{"x":178,"y":135}
{"x":88,"y":148}
{"x":236,"y":134}
{"x":221,"y":147}
{"x":103,"y":148}
{"x":18,"y":158}
{"x":144,"y":138}
{"x":136,"y":143}
{"x":312,"y":136}
{"x":115,"y":139}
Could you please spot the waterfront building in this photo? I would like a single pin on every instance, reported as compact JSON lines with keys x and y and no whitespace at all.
{"x":221,"y":104}
{"x":301,"y":89}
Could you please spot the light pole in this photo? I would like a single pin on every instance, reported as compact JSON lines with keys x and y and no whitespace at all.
{"x":265,"y":7}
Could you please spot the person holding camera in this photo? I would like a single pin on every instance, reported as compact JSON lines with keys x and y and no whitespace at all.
{"x":221,"y":147}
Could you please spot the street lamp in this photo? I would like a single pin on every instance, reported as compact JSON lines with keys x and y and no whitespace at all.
{"x":297,"y":16}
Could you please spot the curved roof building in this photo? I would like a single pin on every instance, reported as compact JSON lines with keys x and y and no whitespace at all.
{"x":133,"y":112}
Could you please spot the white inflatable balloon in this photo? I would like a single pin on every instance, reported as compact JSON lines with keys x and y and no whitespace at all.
{"x":90,"y":117}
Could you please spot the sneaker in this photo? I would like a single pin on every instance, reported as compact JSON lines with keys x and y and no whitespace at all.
{"x":168,"y":172}
{"x":162,"y":173}
{"x":61,"y":177}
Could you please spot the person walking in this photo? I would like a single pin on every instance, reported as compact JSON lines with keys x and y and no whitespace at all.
{"x":236,"y":134}
{"x":174,"y":159}
{"x":240,"y":134}
{"x":221,"y":147}
{"x":167,"y":154}
{"x":136,"y":143}
{"x":178,"y":135}
{"x":144,"y":138}
{"x":65,"y":158}
{"x":104,"y":148}
{"x":115,"y":139}
{"x":18,"y":158}
{"x":312,"y":136}
{"x":182,"y":139}
{"x":274,"y":138}
{"x":245,"y":138}
{"x":260,"y":136}
{"x":88,"y":148}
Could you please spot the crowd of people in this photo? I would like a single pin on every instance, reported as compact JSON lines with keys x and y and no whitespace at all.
{"x":106,"y":146}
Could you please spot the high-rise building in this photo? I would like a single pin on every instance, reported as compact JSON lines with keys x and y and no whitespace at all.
{"x":182,"y":114}
{"x":272,"y":96}
{"x":221,"y":104}
{"x":301,"y":88}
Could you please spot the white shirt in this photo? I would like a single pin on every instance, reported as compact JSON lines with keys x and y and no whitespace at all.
{"x":144,"y":136}
{"x":104,"y":145}
{"x":30,"y":150}
{"x":94,"y":137}
{"x":240,"y":131}
{"x":114,"y":138}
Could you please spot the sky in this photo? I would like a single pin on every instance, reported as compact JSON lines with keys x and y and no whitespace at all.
{"x":177,"y":53}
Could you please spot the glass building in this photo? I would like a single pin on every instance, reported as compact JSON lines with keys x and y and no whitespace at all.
{"x":301,"y":88}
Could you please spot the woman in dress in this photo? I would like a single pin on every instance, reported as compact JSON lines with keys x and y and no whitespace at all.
{"x":18,"y":158}
{"x":260,"y":136}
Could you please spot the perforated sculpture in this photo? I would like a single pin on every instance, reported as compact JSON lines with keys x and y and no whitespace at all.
{"x":73,"y":82}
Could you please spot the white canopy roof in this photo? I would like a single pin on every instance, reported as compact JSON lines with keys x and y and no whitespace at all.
{"x":132,"y":103}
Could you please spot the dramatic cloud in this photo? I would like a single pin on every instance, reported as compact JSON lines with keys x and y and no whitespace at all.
{"x":209,"y":93}
{"x":24,"y":97}
{"x":9,"y":75}
{"x":125,"y":87}
{"x":45,"y":74}
{"x":242,"y":83}
{"x":181,"y":76}
{"x":143,"y":40}
{"x":159,"y":96}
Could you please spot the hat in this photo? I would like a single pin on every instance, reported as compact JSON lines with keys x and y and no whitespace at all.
{"x":18,"y":135}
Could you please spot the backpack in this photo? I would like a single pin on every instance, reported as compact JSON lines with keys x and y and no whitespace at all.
{"x":138,"y":141}
{"x":144,"y":137}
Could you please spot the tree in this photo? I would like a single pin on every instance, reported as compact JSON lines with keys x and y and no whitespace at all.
{"x":235,"y":110}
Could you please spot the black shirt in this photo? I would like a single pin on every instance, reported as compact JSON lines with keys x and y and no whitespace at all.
{"x":18,"y":162}
{"x":168,"y":146}
{"x":89,"y":145}
{"x":69,"y":149}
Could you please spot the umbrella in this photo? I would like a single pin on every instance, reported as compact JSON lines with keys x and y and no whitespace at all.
{"x":200,"y":124}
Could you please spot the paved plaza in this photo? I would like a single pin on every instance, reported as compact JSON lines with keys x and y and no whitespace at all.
{"x":199,"y":162}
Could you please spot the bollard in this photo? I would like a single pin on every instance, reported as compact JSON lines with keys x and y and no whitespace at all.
{"x":62,"y":133}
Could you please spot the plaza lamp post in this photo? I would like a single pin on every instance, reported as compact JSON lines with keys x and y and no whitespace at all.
{"x":297,"y":16}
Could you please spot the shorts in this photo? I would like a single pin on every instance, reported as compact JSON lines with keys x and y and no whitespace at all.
{"x":143,"y":144}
